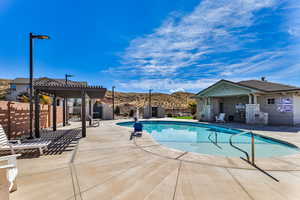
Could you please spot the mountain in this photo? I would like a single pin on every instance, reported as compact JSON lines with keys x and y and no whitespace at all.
{"x":4,"y":86}
{"x":178,"y":100}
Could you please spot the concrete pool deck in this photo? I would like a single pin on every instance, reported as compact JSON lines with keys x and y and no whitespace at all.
{"x":107,"y":165}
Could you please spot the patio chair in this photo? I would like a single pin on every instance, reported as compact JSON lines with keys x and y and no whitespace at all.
{"x":13,"y":145}
{"x":11,"y":170}
{"x":221,"y":118}
{"x":94,"y":122}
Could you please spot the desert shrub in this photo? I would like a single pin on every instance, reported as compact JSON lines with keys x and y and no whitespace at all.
{"x":193,"y":108}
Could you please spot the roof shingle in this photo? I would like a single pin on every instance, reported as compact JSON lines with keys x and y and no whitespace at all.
{"x":267,"y":86}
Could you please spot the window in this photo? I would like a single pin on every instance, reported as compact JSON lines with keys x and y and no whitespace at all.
{"x":13,"y":87}
{"x":271,"y":101}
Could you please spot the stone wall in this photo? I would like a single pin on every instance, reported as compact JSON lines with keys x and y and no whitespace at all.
{"x":14,"y":117}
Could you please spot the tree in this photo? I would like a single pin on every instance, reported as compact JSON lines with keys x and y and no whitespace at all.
{"x":44,"y":99}
{"x":117,"y":110}
{"x":193,"y":108}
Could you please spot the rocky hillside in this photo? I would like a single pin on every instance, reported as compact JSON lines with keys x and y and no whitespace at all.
{"x":4,"y":85}
{"x":179,"y":100}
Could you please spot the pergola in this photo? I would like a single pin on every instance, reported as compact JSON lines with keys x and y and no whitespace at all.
{"x":57,"y":89}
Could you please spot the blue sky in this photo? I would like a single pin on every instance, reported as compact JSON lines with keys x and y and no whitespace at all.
{"x":165,"y":45}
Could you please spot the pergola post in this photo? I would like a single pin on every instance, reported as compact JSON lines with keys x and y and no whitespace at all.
{"x":83,"y":113}
{"x":37,"y":114}
{"x":67,"y":112}
{"x":64,"y":112}
{"x":54,"y":112}
{"x":90,"y":111}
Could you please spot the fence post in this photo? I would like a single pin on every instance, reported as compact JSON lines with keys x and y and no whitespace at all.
{"x":49,"y":116}
{"x":8,"y":120}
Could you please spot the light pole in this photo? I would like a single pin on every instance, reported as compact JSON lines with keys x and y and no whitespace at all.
{"x":113,"y":101}
{"x":150,"y":107}
{"x":31,"y":37}
{"x":67,"y":76}
{"x":66,"y":112}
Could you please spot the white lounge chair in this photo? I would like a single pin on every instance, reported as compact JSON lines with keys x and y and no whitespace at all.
{"x":13,"y":145}
{"x":221,"y":118}
{"x":11,"y":170}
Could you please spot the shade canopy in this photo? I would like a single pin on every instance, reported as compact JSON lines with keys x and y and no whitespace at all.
{"x":69,"y":89}
{"x":65,"y":89}
{"x":72,"y":91}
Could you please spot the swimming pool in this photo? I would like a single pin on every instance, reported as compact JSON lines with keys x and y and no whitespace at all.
{"x":201,"y":138}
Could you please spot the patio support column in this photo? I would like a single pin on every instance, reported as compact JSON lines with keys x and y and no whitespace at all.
{"x":54,"y":112}
{"x":83,"y":113}
{"x":90,"y":111}
{"x":250,"y":98}
{"x":64,"y":112}
{"x":254,"y":99}
{"x":37,"y":114}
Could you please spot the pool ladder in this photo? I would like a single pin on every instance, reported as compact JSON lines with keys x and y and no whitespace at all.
{"x":216,"y":139}
{"x":248,"y":160}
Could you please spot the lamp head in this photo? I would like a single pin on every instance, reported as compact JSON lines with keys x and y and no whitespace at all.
{"x":42,"y":37}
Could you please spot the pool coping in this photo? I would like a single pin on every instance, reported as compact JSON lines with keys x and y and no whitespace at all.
{"x":278,"y":163}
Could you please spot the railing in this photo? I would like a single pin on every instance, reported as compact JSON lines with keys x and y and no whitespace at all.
{"x":216,"y":139}
{"x":236,"y":147}
{"x":252,"y":161}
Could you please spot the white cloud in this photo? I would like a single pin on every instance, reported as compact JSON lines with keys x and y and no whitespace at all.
{"x":213,"y":26}
{"x":168,"y":84}
{"x":177,"y":90}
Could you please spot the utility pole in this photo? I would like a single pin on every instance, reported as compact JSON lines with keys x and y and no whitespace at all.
{"x":150,"y":107}
{"x":113,"y":101}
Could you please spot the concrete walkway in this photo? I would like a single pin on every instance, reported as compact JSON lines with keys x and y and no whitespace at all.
{"x":107,"y":165}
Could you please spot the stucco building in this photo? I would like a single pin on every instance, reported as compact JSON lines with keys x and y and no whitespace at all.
{"x":250,"y":101}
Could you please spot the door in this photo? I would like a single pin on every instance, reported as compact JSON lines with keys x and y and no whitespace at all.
{"x":154,"y":111}
{"x":221,"y":107}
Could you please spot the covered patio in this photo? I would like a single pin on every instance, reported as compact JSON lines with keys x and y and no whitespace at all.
{"x":56,"y":89}
{"x":238,"y":102}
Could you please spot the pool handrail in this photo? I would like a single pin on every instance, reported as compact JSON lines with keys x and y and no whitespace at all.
{"x":252,"y":151}
{"x":236,"y":147}
{"x":216,"y":138}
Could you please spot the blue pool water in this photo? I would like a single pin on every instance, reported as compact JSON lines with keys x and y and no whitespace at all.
{"x":200,"y":138}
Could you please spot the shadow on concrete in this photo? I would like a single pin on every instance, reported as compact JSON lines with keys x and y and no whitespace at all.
{"x":60,"y":141}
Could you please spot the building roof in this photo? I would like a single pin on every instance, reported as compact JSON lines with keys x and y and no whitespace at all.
{"x":267,"y":86}
{"x":20,"y":81}
{"x":258,"y":85}
{"x":45,"y":80}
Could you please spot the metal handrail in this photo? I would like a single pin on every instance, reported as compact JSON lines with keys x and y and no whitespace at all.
{"x":216,"y":139}
{"x":236,"y":147}
{"x":252,"y":152}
